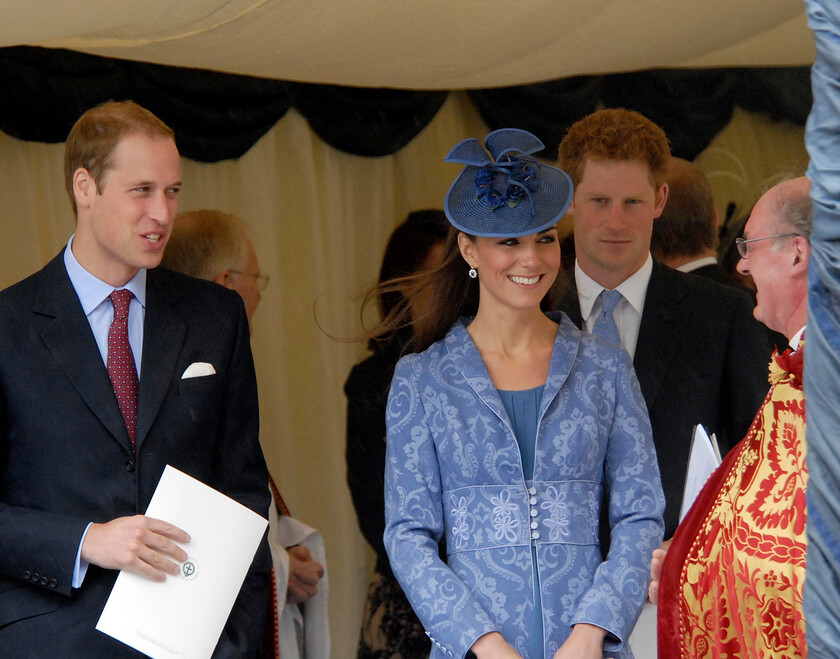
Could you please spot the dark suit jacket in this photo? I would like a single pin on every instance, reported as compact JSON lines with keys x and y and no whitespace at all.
{"x":701,"y":357}
{"x":65,"y":457}
{"x":719,"y":274}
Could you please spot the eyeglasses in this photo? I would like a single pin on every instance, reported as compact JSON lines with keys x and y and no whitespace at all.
{"x":743,"y":244}
{"x":262,"y":280}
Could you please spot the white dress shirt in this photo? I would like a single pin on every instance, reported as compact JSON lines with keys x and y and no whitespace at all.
{"x":628,"y":312}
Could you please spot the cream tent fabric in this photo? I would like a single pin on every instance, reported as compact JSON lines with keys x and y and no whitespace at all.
{"x":427,"y":44}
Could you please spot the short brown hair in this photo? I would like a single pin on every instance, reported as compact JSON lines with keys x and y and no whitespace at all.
{"x":98,"y":131}
{"x":688,"y":224}
{"x":615,"y":134}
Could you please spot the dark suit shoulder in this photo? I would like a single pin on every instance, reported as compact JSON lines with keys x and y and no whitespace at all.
{"x":701,"y":290}
{"x":196,"y":300}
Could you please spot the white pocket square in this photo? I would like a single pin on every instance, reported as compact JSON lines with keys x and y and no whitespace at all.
{"x":198,"y":369}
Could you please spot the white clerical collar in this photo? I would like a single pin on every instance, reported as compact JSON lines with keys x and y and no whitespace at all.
{"x":794,"y":342}
{"x":633,"y":289}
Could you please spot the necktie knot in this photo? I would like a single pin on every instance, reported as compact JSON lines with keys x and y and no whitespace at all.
{"x":121,"y":299}
{"x":609,"y":300}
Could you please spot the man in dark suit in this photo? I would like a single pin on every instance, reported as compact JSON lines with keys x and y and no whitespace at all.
{"x":698,"y":353}
{"x":83,"y":441}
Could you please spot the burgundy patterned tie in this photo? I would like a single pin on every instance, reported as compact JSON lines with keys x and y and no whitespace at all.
{"x":121,"y":367}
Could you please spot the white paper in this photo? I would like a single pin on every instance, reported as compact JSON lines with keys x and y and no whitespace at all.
{"x":702,"y":461}
{"x":185,"y":615}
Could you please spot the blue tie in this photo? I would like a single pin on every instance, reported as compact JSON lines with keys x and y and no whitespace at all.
{"x":605,"y":326}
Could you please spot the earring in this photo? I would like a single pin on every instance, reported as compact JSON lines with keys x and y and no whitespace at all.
{"x":473,"y":273}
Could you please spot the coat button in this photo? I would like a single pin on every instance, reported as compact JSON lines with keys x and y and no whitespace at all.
{"x":26,"y":574}
{"x":35,"y":577}
{"x":44,"y":581}
{"x":53,"y":583}
{"x":129,"y":465}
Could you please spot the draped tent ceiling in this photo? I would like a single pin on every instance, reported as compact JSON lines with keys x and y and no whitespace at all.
{"x":433,"y":44}
{"x":369,"y":76}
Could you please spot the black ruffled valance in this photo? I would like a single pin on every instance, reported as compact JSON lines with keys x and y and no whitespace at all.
{"x":218,"y":116}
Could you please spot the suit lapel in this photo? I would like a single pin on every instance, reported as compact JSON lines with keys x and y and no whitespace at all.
{"x":164,"y":332}
{"x":70,"y":340}
{"x":660,"y":330}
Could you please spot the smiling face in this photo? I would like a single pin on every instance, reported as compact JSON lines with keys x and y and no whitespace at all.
{"x":124,"y":223}
{"x":778,"y":265}
{"x":513,"y":272}
{"x":613,"y":210}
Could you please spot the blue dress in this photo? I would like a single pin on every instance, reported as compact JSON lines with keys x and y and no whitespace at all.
{"x":523,"y":408}
{"x":454,"y":470}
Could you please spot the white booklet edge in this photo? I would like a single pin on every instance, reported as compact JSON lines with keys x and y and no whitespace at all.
{"x":703,"y":458}
{"x":185,"y":615}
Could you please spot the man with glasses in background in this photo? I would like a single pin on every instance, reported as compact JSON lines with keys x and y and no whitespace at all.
{"x":212,"y":245}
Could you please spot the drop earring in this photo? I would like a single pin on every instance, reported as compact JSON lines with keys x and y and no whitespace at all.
{"x":473,"y":273}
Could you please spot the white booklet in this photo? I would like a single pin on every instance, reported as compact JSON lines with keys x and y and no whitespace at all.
{"x":703,"y":459}
{"x":184,"y":616}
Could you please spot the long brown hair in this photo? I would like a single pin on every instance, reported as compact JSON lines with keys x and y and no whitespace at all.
{"x":452,"y":294}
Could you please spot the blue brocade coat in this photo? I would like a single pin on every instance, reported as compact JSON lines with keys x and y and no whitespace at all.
{"x":453,"y":470}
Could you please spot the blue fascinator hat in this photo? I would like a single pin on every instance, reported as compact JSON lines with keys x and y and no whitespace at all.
{"x":505,"y":193}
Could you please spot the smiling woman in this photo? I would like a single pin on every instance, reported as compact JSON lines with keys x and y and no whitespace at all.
{"x":494,"y":446}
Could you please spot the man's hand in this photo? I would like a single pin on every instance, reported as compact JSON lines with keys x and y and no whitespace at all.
{"x":304,"y":575}
{"x":656,"y":571}
{"x":138,"y":544}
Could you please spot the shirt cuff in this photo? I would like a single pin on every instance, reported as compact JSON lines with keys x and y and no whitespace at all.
{"x":80,"y":567}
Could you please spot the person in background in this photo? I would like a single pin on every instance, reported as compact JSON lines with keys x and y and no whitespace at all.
{"x":110,"y":370}
{"x":685,"y":236}
{"x":390,"y":629}
{"x":732,"y":580}
{"x":505,"y":425}
{"x":212,"y":245}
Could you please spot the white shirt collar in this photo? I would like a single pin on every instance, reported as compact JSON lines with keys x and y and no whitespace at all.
{"x":633,"y":289}
{"x":691,"y":266}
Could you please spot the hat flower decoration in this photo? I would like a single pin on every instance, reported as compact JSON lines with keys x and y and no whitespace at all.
{"x":504,"y":192}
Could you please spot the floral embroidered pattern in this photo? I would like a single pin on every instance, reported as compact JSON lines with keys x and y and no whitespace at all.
{"x":460,"y":530}
{"x":741,"y":580}
{"x":505,"y":525}
{"x":558,"y":510}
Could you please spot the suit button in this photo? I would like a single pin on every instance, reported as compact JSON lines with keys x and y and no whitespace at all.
{"x":26,"y":574}
{"x":129,"y":465}
{"x":35,"y":577}
{"x":53,"y":583}
{"x":44,"y":581}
